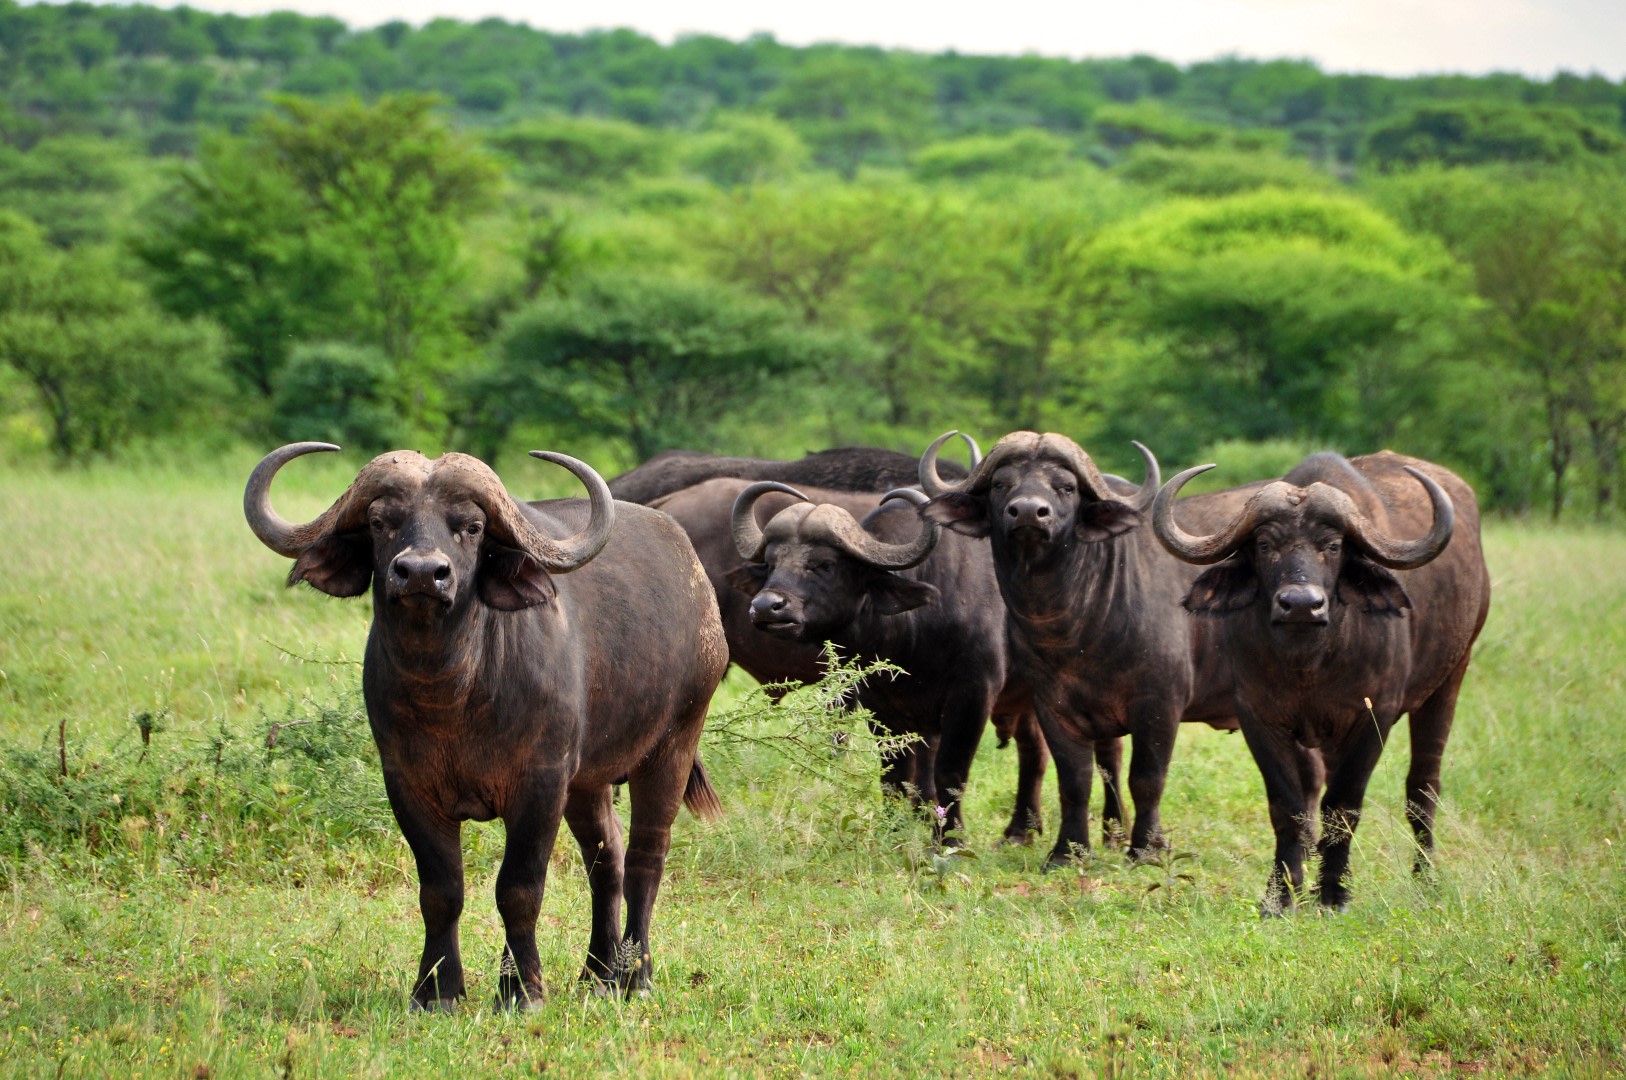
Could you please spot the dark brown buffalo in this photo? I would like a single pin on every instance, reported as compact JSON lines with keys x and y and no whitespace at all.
{"x":513,"y":675}
{"x":705,"y":512}
{"x":885,"y":589}
{"x":845,"y":468}
{"x":1328,"y":647}
{"x":1094,"y":621}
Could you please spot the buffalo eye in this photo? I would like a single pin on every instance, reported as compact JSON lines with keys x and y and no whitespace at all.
{"x":1064,"y":489}
{"x":472,"y":528}
{"x":1261,"y":544}
{"x":1332,"y":547}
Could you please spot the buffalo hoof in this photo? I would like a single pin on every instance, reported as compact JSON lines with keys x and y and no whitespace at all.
{"x":1017,"y":839}
{"x":433,"y":1005}
{"x":526,"y":999}
{"x":1334,"y":907}
{"x":599,"y":986}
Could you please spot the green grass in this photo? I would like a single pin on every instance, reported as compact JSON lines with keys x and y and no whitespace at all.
{"x":809,"y":932}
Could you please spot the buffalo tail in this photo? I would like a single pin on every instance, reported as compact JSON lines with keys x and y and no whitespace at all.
{"x":699,"y":796}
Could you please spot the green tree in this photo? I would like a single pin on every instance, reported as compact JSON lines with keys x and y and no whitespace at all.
{"x":656,"y":362}
{"x":854,"y":108}
{"x":1020,"y":153}
{"x":1481,"y":132}
{"x":333,"y":392}
{"x":741,"y":149}
{"x":578,"y":152}
{"x":104,"y":363}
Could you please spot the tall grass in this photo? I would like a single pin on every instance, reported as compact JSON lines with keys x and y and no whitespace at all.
{"x":811,"y":931}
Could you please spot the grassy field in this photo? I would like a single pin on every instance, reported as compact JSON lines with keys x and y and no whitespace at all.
{"x":200,"y":905}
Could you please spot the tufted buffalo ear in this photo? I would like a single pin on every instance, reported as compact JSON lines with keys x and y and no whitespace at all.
{"x":893,"y":595}
{"x":965,"y":514}
{"x":748,"y":578}
{"x":339,"y":565}
{"x":1220,"y":590}
{"x":1368,"y":586}
{"x":510,"y":580}
{"x":1102,"y":519}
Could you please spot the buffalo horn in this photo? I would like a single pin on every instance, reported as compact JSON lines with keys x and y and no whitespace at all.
{"x":1199,"y":550}
{"x":561,"y":556}
{"x":1408,"y":554}
{"x":281,"y":536}
{"x":747,"y":536}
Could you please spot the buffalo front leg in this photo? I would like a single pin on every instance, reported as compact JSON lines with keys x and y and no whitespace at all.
{"x":1281,"y":765}
{"x":592,"y":820}
{"x":1349,"y":770}
{"x":1151,"y":746}
{"x":436,"y":843}
{"x":962,"y":728}
{"x":532,"y":826}
{"x":1075,"y":768}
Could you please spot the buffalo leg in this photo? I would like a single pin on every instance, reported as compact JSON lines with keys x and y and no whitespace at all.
{"x":1032,"y":755}
{"x":1347,"y":776}
{"x":436,"y":843}
{"x":962,"y":729}
{"x":532,"y":829}
{"x":657,"y":791}
{"x":1109,"y":758}
{"x":1075,"y":768}
{"x":1430,"y":728}
{"x":592,"y":821}
{"x":1280,"y":760}
{"x":1151,"y":745}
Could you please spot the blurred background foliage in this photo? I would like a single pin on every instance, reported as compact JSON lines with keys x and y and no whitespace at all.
{"x":481,"y":235}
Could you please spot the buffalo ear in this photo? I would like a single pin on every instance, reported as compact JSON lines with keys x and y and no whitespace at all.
{"x":1102,"y":519}
{"x":748,"y":578}
{"x":1364,"y":584}
{"x":510,"y":580}
{"x":965,"y":514}
{"x":1220,"y":590}
{"x":339,"y":565}
{"x":893,"y":595}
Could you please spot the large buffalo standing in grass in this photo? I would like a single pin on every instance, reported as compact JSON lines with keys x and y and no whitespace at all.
{"x":843,"y":468}
{"x":884,"y":588}
{"x":1094,"y":621}
{"x":510,"y":674}
{"x":1328,"y":646}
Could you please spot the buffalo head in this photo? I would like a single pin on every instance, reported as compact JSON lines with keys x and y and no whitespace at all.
{"x":429,"y":535}
{"x":1297,"y":551}
{"x":1035,"y":493}
{"x":814,"y":569}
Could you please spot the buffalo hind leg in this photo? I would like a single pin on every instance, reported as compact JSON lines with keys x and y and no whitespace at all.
{"x":1109,"y":760}
{"x":532,"y":828}
{"x":1032,"y":756}
{"x":657,"y":787}
{"x":1348,"y":773}
{"x":1430,"y":728}
{"x":1281,"y":764}
{"x":962,"y":728}
{"x":436,"y":843}
{"x":592,"y":820}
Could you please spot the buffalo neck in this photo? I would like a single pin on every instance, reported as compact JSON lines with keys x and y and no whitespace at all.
{"x":435,"y":661}
{"x":1069,"y":587}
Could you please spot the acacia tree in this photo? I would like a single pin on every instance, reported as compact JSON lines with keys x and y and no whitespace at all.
{"x":332,"y":220}
{"x":104,"y":363}
{"x":658,"y":363}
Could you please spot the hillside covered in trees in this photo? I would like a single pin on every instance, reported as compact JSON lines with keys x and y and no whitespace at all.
{"x":216,"y":228}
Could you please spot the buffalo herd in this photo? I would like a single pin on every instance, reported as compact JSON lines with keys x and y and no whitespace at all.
{"x":526,"y":658}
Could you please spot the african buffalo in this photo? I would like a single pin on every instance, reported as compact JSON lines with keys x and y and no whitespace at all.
{"x":512,"y":675}
{"x":845,"y":468}
{"x":1094,"y":621}
{"x":706,"y":511}
{"x":885,"y":589}
{"x":1328,"y":647}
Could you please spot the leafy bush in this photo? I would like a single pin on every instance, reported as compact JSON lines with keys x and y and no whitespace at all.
{"x":333,"y":392}
{"x":275,"y":799}
{"x":1021,"y":153}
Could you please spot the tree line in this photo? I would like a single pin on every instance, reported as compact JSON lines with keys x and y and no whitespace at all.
{"x":477,"y":233}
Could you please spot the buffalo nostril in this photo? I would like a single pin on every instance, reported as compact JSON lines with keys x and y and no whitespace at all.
{"x":399,"y":570}
{"x":1043,"y":511}
{"x":1012,"y":511}
{"x":442,"y":572}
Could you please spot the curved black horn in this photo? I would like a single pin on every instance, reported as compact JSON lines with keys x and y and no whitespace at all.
{"x":279,"y":535}
{"x":933,"y":484}
{"x":743,"y":522}
{"x":559,"y":556}
{"x":1410,"y":554}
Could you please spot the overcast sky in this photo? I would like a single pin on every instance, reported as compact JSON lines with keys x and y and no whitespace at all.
{"x":1395,"y":37}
